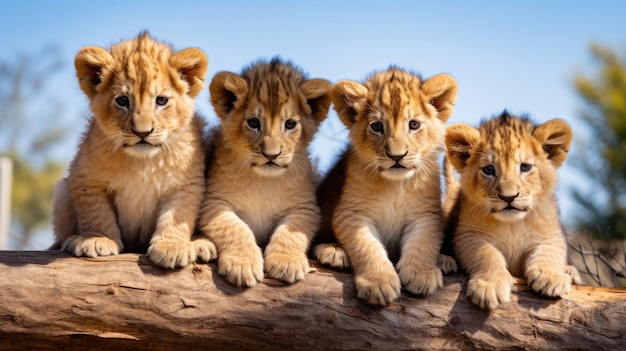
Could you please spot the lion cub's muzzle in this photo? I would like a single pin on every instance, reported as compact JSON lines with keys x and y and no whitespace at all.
{"x":397,"y":158}
{"x":273,"y":162}
{"x":270,"y":148}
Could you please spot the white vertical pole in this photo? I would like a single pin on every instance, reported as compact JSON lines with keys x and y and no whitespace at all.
{"x":6,"y":179}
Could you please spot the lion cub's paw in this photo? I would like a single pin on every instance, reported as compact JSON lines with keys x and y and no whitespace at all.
{"x":171,"y":254}
{"x":491,"y":291}
{"x":91,"y":246}
{"x":380,"y":287}
{"x":332,"y":255}
{"x":549,"y":282}
{"x":288,"y":268}
{"x":447,"y":264}
{"x":205,"y":249}
{"x":243,"y":267}
{"x":573,"y":272}
{"x":421,"y":281}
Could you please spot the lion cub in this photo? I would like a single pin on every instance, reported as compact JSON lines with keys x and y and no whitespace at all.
{"x":382,"y":200}
{"x":261,"y":185}
{"x":505,"y":218}
{"x":137,"y":179}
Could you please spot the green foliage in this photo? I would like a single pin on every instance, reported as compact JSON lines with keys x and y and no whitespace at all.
{"x":603,"y":157}
{"x":30,"y":131}
{"x":32,"y":192}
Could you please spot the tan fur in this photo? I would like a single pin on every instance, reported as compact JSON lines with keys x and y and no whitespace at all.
{"x":382,"y":200}
{"x":260,"y":188}
{"x":494,"y":241}
{"x":137,"y":179}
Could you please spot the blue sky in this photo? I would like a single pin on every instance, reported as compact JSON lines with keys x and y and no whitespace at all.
{"x":520,"y":55}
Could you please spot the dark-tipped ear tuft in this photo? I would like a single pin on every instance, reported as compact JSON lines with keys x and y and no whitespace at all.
{"x":90,"y":64}
{"x":555,"y":137}
{"x":192,"y":65}
{"x":440,"y":91}
{"x":226,"y":89}
{"x":348,"y":99}
{"x":460,"y":139}
{"x":317,"y":94}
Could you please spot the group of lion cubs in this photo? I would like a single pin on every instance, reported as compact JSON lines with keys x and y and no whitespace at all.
{"x":146,"y":176}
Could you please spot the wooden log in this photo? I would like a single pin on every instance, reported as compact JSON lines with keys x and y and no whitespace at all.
{"x":49,"y":300}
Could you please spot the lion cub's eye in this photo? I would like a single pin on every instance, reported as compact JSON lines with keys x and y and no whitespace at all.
{"x":161,"y":100}
{"x":377,"y":127}
{"x":254,"y":123}
{"x":122,"y":101}
{"x":489,"y":170}
{"x":414,"y":125}
{"x":525,"y":167}
{"x":290,"y":124}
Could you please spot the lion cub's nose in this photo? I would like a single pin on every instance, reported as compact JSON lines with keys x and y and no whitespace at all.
{"x":142,"y":134}
{"x":508,"y":199}
{"x":270,"y":148}
{"x":269,"y":155}
{"x":396,"y":157}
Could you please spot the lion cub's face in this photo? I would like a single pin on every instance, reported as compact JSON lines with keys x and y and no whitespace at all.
{"x":269,"y":115}
{"x":140,"y":92}
{"x":508,"y":164}
{"x":396,"y":120}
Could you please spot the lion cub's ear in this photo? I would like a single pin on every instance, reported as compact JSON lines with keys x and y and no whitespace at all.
{"x":555,"y":137}
{"x":226,"y":89}
{"x":348,"y":99}
{"x":90,"y":64}
{"x":460,"y":138}
{"x":192,"y":65}
{"x":440,"y":91}
{"x":317,"y":94}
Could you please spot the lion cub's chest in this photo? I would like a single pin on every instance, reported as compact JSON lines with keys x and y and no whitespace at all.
{"x":390,"y":210}
{"x":137,"y":195}
{"x":263,"y":202}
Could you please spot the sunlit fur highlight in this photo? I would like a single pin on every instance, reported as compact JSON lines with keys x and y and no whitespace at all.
{"x":382,"y":199}
{"x":137,"y":180}
{"x":257,"y":204}
{"x":504,"y":220}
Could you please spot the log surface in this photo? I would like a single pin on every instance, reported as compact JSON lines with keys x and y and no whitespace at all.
{"x":49,"y":300}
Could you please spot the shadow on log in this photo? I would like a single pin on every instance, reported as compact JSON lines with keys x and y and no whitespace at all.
{"x":49,"y":300}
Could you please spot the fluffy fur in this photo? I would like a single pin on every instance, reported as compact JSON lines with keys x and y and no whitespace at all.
{"x":261,"y":185}
{"x":505,"y":220}
{"x":382,"y":200}
{"x":137,"y":179}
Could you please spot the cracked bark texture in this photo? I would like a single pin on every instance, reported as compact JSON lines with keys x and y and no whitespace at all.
{"x":49,"y":300}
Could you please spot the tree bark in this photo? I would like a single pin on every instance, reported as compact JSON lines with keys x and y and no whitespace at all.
{"x":49,"y":300}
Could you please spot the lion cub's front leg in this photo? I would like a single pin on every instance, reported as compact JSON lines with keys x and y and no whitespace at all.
{"x":171,"y":245}
{"x":375,"y":277}
{"x":546,"y":271}
{"x":490,"y":282}
{"x":242,"y":263}
{"x":99,"y":234}
{"x":285,"y":259}
{"x":417,"y":266}
{"x":240,"y":259}
{"x":285,"y":255}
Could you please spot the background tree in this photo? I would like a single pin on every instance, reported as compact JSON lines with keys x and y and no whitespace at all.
{"x":31,"y":130}
{"x":603,"y":157}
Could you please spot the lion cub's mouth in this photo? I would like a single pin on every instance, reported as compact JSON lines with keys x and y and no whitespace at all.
{"x":268,"y":164}
{"x":509,"y":207}
{"x":269,"y":169}
{"x":142,"y":143}
{"x":139,"y":143}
